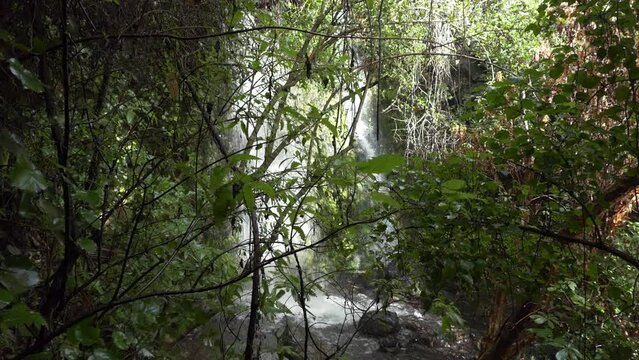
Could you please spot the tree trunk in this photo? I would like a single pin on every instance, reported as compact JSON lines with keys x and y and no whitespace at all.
{"x":506,"y":335}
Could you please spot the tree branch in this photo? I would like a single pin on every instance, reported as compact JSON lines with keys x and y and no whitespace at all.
{"x":243,"y":275}
{"x":164,"y":35}
{"x":631,"y":260}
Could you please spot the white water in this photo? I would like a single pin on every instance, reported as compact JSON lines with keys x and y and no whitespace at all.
{"x":365,"y":131}
{"x":326,"y":310}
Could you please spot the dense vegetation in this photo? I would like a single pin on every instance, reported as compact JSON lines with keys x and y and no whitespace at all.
{"x":167,"y":163}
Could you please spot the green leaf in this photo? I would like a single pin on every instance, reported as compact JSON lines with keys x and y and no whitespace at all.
{"x":615,"y":293}
{"x":28,"y":80}
{"x":100,"y":354}
{"x":6,"y":297}
{"x":578,"y":299}
{"x":495,"y":98}
{"x":458,"y":195}
{"x":502,"y":135}
{"x":556,"y":71}
{"x":300,"y":232}
{"x":145,"y":353}
{"x":120,"y":340}
{"x":87,"y":245}
{"x":91,"y":197}
{"x":223,"y":201}
{"x":218,"y":175}
{"x":40,"y":45}
{"x":386,"y":199}
{"x":527,"y":104}
{"x":584,"y":79}
{"x":11,"y":142}
{"x":454,"y":185}
{"x":266,"y":188}
{"x":622,"y":93}
{"x":593,"y":271}
{"x":381,"y":164}
{"x":539,"y":319}
{"x":242,"y":157}
{"x":249,"y":198}
{"x":330,"y":126}
{"x":315,"y":113}
{"x":20,"y":314}
{"x":237,"y":17}
{"x":568,"y":353}
{"x":26,"y":177}
{"x":130,"y":116}
{"x":562,"y":355}
{"x":512,"y":112}
{"x":534,"y":28}
{"x":84,"y":333}
{"x":18,"y":274}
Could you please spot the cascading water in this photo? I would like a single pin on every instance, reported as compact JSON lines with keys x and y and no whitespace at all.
{"x":365,"y":133}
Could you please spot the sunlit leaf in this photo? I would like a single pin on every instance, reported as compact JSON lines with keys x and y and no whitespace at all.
{"x":28,"y":80}
{"x":237,"y":17}
{"x":120,"y":340}
{"x":382,"y":164}
{"x":100,"y":354}
{"x":26,"y":177}
{"x":18,"y":273}
{"x":386,"y":199}
{"x":242,"y":157}
{"x":145,"y":353}
{"x":330,"y":126}
{"x":6,"y":297}
{"x":249,"y":198}
{"x":266,"y":188}
{"x":455,"y":184}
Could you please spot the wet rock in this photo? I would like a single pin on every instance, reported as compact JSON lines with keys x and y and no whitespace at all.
{"x":405,"y":337}
{"x":413,"y":331}
{"x":425,"y":330}
{"x":388,"y":344}
{"x":379,"y":323}
{"x":397,"y":342}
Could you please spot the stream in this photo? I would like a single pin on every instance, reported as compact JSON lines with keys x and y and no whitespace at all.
{"x":351,"y":327}
{"x":359,"y":329}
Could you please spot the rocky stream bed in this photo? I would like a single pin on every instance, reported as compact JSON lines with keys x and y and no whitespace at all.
{"x":340,"y":328}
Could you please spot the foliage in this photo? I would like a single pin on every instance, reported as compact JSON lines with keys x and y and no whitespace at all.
{"x":560,"y":154}
{"x":162,"y":159}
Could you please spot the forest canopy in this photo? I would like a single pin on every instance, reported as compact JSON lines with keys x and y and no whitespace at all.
{"x":319,"y":179}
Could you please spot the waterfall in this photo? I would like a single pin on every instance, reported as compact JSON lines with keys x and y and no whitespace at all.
{"x":365,"y":133}
{"x":325,"y":309}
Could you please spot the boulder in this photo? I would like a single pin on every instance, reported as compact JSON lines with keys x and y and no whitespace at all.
{"x":379,"y":323}
{"x":397,"y":342}
{"x":426,"y":330}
